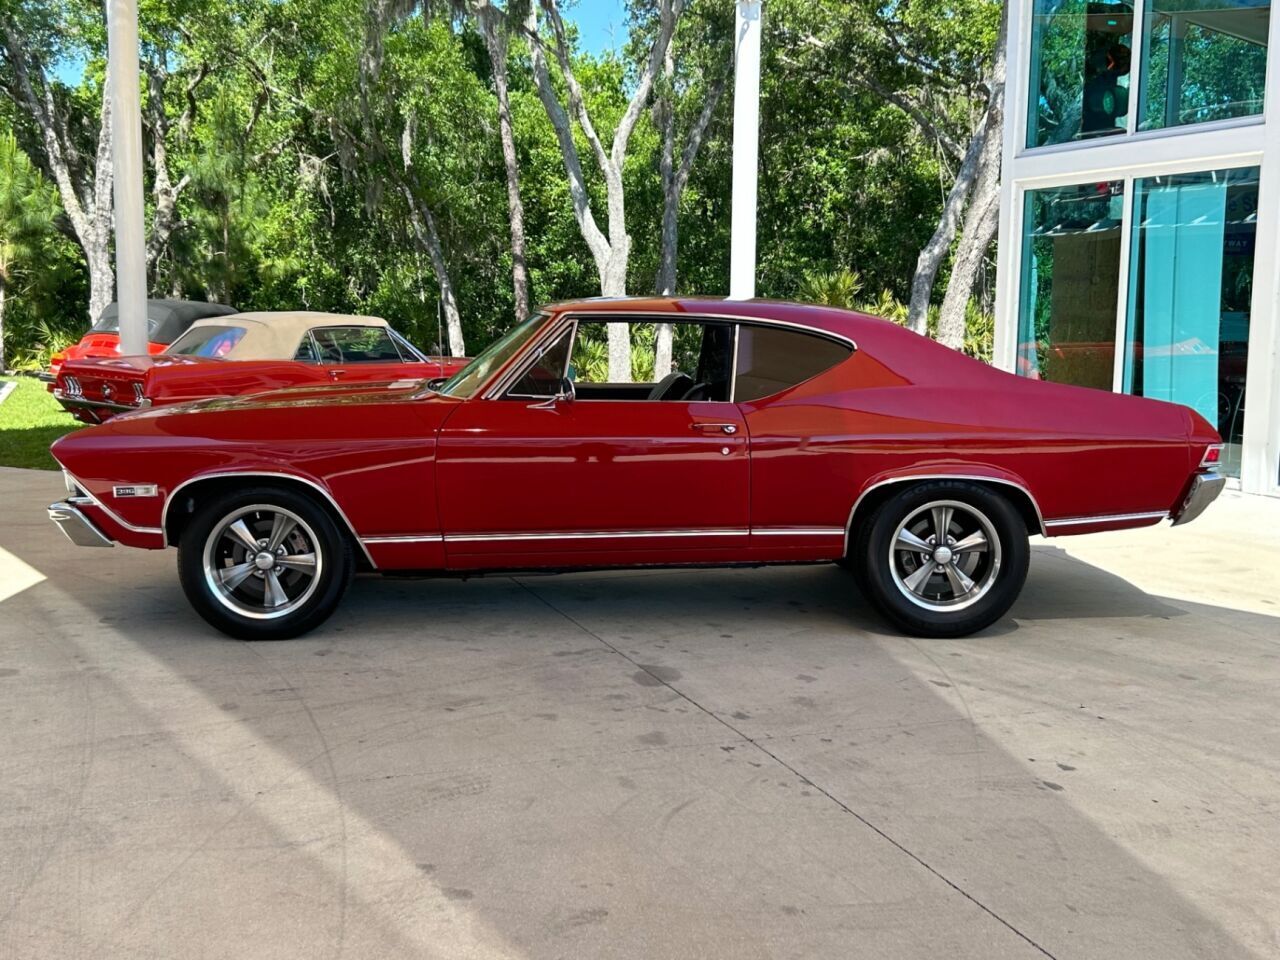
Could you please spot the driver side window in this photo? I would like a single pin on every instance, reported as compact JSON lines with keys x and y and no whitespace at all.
{"x":682,"y":360}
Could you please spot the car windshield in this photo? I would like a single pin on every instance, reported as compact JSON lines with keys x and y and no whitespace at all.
{"x":212,"y":341}
{"x":469,"y":379}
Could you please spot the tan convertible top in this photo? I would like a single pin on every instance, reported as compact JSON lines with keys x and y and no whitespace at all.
{"x":276,"y":335}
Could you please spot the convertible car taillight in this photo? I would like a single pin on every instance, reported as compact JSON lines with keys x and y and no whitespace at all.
{"x":71,"y":387}
{"x":1212,"y":457}
{"x":137,"y":392}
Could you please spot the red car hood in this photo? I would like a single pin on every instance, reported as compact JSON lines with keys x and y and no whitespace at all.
{"x":325,"y":394}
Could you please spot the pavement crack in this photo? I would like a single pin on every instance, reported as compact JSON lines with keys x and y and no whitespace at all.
{"x":758,"y":745}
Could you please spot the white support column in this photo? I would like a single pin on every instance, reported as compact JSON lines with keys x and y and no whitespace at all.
{"x":1009,"y":243}
{"x":746,"y":150}
{"x":1261,"y":459}
{"x":126,"y":137}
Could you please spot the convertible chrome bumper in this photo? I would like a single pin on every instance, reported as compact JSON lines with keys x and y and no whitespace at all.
{"x":1204,"y":490}
{"x":77,"y":528}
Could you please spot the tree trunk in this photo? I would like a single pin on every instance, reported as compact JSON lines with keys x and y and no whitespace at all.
{"x":985,"y":142}
{"x":497,"y":48}
{"x":3,"y":291}
{"x":935,"y":251}
{"x":102,"y":277}
{"x":982,"y":217}
{"x":611,"y":251}
{"x":424,"y":229}
{"x":979,"y":230}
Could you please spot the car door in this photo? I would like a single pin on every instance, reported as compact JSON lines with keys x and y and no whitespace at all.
{"x":559,"y":472}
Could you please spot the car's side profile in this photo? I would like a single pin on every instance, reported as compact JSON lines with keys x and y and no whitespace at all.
{"x":746,"y":432}
{"x":246,"y":353}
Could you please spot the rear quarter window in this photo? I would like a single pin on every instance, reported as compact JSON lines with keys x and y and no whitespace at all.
{"x":772,"y":359}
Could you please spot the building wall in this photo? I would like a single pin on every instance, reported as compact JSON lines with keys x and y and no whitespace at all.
{"x":1140,"y":214}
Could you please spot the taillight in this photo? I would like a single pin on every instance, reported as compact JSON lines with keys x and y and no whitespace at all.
{"x":137,"y":392}
{"x":1212,"y":457}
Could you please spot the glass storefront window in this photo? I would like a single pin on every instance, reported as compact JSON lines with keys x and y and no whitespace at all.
{"x":1203,"y":60}
{"x":1070,"y":283}
{"x":1190,"y":289}
{"x":1080,"y":66}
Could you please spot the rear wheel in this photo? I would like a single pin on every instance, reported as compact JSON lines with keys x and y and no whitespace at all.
{"x":265,"y":563}
{"x":942,"y":559}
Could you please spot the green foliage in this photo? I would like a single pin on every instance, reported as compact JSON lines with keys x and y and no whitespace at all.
{"x":295,"y":133}
{"x":841,"y":288}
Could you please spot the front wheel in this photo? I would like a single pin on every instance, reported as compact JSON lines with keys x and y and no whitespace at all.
{"x":264,"y":563}
{"x":943,"y":558}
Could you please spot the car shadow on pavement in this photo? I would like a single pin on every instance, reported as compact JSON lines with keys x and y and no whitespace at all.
{"x":721,"y":763}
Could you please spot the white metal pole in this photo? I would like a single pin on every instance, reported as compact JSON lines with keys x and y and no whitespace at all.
{"x":126,"y":144}
{"x":746,"y":150}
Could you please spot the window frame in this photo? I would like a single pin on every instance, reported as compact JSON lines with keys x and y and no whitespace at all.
{"x":311,"y":332}
{"x":499,"y":388}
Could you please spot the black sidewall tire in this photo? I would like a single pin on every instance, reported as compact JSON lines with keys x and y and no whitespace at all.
{"x":870,"y":557}
{"x":337,"y":570}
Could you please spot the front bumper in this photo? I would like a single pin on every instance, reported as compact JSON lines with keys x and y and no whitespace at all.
{"x":77,"y":528}
{"x":1205,"y":488}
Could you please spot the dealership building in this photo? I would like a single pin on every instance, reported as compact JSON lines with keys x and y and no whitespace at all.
{"x":1140,"y":214}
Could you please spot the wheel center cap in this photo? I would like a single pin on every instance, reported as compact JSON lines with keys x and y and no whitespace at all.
{"x":942,"y":555}
{"x":265,"y":560}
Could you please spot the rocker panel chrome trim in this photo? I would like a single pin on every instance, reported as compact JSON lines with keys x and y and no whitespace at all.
{"x":593,"y":535}
{"x":415,"y":538}
{"x":1106,"y":518}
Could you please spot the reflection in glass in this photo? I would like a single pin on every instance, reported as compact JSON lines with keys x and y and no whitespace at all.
{"x":1190,"y":288}
{"x":1070,"y":284}
{"x":1203,"y":60}
{"x":1080,"y":66}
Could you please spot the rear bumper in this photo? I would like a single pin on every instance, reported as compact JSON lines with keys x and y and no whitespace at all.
{"x":77,"y":528}
{"x":1205,"y":488}
{"x":94,"y":411}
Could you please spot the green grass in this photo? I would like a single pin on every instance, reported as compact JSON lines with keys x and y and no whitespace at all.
{"x":30,"y":420}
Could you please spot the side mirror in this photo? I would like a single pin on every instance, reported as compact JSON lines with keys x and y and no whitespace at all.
{"x":564,"y":394}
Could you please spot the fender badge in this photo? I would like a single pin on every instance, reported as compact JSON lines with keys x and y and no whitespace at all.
{"x":135,"y":490}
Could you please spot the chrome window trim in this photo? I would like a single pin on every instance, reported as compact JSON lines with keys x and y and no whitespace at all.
{"x":537,"y":355}
{"x":975,"y":478}
{"x":164,"y":512}
{"x":400,"y":341}
{"x":733,"y":365}
{"x":502,"y":381}
{"x":597,"y":535}
{"x":151,"y":531}
{"x":1107,"y":518}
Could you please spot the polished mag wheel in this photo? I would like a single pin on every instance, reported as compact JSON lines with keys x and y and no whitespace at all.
{"x":941,"y":558}
{"x":261,"y":561}
{"x":945,"y":555}
{"x":264,"y":562}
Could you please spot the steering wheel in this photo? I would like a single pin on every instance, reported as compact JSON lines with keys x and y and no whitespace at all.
{"x":702,"y":387}
{"x":672,"y":385}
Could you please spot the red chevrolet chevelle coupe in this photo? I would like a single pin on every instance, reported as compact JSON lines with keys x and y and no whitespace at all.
{"x":775,"y":433}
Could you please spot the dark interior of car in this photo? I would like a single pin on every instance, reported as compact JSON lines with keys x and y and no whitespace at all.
{"x":709,"y":380}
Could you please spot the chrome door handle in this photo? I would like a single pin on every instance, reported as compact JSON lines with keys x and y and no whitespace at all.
{"x":729,"y":428}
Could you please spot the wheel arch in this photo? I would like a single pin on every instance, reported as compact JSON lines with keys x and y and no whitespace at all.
{"x":877,"y":490}
{"x":181,"y":502}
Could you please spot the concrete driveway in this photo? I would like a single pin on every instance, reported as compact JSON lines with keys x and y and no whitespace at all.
{"x":731,"y":764}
